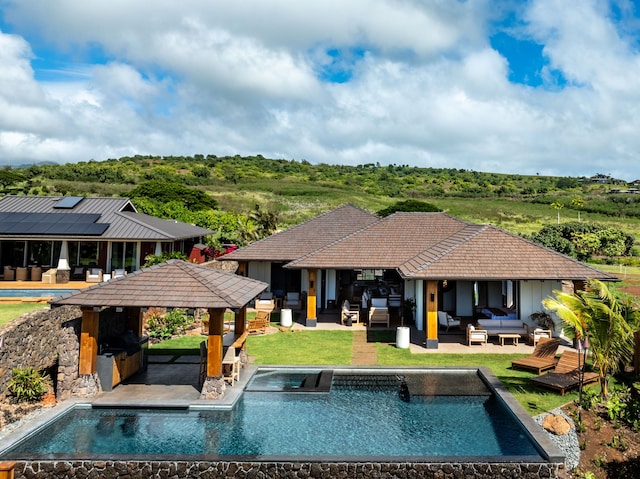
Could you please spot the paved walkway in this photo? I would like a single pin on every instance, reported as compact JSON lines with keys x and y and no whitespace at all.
{"x":364,"y":352}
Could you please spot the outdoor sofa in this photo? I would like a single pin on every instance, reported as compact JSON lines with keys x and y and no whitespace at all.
{"x":493,"y":327}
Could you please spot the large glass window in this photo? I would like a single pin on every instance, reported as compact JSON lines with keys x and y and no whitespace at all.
{"x":40,"y":253}
{"x":83,"y":253}
{"x":123,"y":255}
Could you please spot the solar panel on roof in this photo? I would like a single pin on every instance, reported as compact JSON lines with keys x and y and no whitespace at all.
{"x":69,"y":202}
{"x":51,"y":224}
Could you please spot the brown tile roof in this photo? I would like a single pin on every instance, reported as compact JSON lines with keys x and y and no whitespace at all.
{"x":175,"y":284}
{"x":438,"y":246}
{"x":489,"y":253}
{"x":385,"y":244}
{"x":306,"y":237}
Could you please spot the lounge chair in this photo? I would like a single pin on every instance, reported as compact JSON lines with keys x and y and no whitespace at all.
{"x":543,"y":357}
{"x":446,"y":321}
{"x":476,"y":335}
{"x":565,"y":376}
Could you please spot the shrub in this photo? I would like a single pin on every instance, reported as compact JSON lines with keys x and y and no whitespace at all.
{"x":165,"y":326}
{"x":27,"y":384}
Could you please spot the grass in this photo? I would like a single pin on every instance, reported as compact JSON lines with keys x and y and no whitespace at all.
{"x":9,"y":312}
{"x":336,"y":348}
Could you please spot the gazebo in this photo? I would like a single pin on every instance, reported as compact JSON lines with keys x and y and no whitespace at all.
{"x":116,"y":305}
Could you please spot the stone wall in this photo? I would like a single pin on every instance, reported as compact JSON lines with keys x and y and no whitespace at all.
{"x":42,"y":339}
{"x":299,"y":470}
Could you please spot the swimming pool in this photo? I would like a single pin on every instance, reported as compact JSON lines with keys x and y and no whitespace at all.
{"x":34,"y":293}
{"x":308,"y":414}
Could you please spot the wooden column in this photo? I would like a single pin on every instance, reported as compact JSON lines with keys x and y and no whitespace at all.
{"x":214,"y":342}
{"x":431,"y":302}
{"x":89,"y":341}
{"x":6,"y":470}
{"x":312,"y":299}
{"x":240,"y":321}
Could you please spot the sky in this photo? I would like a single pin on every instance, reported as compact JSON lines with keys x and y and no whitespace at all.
{"x":549,"y":87}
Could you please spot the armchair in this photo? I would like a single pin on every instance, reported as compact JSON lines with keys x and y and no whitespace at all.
{"x":292,"y":300}
{"x":94,"y":275}
{"x":350,"y":311}
{"x":118,"y":272}
{"x":445,"y":320}
{"x":537,"y":334}
{"x":476,"y":335}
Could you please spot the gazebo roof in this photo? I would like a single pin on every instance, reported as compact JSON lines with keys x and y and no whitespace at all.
{"x":174,"y":284}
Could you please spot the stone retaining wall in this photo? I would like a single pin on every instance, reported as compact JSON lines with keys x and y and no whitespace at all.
{"x":259,"y":470}
{"x":43,"y":339}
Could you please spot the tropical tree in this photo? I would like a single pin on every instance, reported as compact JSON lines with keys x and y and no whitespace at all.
{"x":603,"y":317}
{"x":578,"y":203}
{"x":557,"y":205}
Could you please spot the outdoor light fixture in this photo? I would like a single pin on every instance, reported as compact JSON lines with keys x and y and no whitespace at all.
{"x":432,"y":297}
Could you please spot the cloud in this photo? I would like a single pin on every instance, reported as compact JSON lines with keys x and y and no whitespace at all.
{"x":394,"y":81}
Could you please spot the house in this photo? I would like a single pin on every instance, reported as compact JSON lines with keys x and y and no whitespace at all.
{"x":75,"y":233}
{"x":443,"y":263}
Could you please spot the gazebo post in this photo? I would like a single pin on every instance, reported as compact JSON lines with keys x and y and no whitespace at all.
{"x":89,"y":341}
{"x":240,"y":324}
{"x":214,"y":342}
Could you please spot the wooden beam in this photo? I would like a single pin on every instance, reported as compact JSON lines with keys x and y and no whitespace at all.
{"x":6,"y":469}
{"x":214,"y":342}
{"x":89,"y":341}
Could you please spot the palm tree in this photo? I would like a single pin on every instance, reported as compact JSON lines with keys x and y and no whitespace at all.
{"x":557,"y":206}
{"x":601,"y":316}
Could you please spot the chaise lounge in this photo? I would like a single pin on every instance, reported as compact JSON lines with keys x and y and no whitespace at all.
{"x":542,"y":359}
{"x":566,"y":375}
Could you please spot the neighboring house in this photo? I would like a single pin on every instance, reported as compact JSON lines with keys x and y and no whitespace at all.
{"x":75,"y":232}
{"x":444,"y":263}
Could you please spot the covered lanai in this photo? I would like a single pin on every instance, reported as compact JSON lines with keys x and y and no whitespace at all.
{"x":112,"y":313}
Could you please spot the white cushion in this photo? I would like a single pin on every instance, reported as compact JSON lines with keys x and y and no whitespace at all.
{"x":378,"y":302}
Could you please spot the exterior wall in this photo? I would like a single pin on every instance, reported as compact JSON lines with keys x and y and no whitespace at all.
{"x":331,"y":285}
{"x":28,"y":343}
{"x":531,"y":295}
{"x":464,"y":298}
{"x":421,"y":311}
{"x":301,"y":470}
{"x":260,"y":270}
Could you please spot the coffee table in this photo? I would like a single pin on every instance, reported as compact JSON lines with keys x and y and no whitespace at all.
{"x":512,"y":336}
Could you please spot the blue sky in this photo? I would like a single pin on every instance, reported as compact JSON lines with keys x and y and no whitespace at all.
{"x":531,"y":87}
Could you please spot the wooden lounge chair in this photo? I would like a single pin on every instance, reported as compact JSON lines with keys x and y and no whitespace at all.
{"x":543,"y":357}
{"x":565,"y":375}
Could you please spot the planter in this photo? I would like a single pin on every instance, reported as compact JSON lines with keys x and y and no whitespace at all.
{"x":286,"y":318}
{"x":403,"y":337}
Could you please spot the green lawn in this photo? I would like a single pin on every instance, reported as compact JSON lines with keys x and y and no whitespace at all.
{"x":335,"y":348}
{"x":9,"y":312}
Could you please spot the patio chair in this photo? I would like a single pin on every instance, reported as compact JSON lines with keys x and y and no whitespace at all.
{"x":292,"y":301}
{"x":350,"y":311}
{"x":543,"y":357}
{"x":446,"y":320}
{"x":118,"y":273}
{"x":265,"y":302}
{"x":93,"y":275}
{"x":566,"y":375}
{"x":379,"y":312}
{"x":476,"y":335}
{"x":537,"y":334}
{"x":260,"y":323}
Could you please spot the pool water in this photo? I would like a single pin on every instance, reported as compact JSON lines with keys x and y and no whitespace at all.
{"x":349,"y":422}
{"x":34,"y":293}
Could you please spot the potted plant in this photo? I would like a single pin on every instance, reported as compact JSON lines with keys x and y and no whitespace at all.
{"x":543,"y":319}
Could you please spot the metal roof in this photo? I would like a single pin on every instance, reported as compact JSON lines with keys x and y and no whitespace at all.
{"x":124,"y":223}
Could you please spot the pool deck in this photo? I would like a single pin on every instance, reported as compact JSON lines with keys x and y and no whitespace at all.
{"x":38,"y":285}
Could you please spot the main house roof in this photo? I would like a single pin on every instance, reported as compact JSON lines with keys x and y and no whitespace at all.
{"x":174,"y":284}
{"x":89,"y":218}
{"x":421,"y":246}
{"x":306,"y":237}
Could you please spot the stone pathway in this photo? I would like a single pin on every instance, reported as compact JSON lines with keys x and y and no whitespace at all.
{"x":364,"y":353}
